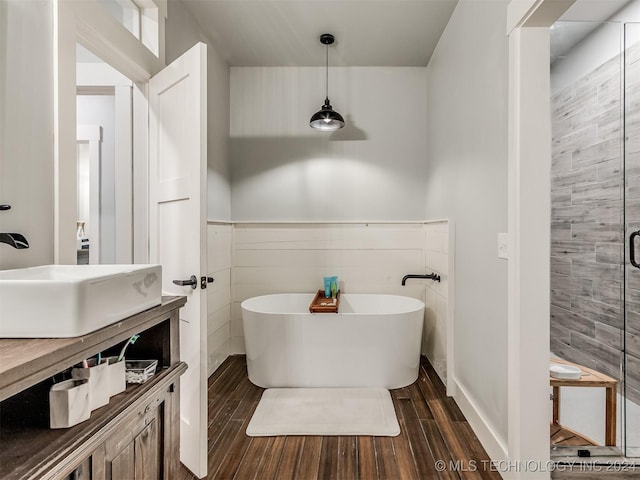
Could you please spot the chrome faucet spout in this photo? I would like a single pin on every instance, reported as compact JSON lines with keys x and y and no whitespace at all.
{"x":16,"y":240}
{"x":430,"y":276}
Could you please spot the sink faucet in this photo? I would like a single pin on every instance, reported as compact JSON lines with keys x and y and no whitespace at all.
{"x":432,"y":276}
{"x":15,"y":240}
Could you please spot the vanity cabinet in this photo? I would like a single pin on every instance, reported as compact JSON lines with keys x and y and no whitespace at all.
{"x":134,"y":437}
{"x":136,"y":453}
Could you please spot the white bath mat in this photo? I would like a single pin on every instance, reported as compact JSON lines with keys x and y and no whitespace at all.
{"x":324,"y":411}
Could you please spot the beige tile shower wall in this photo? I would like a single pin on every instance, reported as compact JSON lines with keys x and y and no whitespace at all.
{"x":368,"y":258}
{"x":219,"y":240}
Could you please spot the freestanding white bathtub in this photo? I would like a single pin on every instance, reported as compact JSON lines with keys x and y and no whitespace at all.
{"x":374,"y":341}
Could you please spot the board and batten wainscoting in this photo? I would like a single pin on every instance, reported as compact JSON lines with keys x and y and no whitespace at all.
{"x":270,"y":258}
{"x":437,"y":298}
{"x":219,"y":245}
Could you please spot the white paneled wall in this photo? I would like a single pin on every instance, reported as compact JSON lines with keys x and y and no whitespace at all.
{"x":434,"y":342}
{"x":367,"y":258}
{"x":219,"y":241}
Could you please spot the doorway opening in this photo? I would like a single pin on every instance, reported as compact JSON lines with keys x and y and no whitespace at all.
{"x":105,"y":161}
{"x":595,"y":288}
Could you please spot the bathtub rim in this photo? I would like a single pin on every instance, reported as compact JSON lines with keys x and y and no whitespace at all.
{"x":419,"y":305}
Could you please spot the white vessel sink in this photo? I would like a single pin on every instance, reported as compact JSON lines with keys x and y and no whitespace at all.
{"x":54,"y":301}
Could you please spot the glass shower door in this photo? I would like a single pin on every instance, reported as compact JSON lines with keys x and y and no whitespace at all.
{"x":631,"y":390}
{"x":587,"y":231}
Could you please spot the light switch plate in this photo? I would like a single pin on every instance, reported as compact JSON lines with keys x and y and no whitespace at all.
{"x":503,"y":246}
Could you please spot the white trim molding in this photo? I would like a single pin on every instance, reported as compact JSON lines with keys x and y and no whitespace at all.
{"x":124,"y":174}
{"x":88,"y":23}
{"x":535,"y":13}
{"x":92,"y":135}
{"x":65,"y":155}
{"x":529,"y":239}
{"x":490,"y":439}
{"x":529,"y":167}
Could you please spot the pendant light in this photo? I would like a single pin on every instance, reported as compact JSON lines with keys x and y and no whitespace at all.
{"x":327,"y":119}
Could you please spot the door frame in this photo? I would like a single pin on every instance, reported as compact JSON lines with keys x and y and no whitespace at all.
{"x":88,"y":24}
{"x":529,"y":177}
{"x":91,"y":135}
{"x":120,"y":88}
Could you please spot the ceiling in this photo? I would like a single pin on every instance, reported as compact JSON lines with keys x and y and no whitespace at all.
{"x":287,"y":32}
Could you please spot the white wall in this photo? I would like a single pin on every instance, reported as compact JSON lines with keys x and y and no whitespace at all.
{"x":604,"y":43}
{"x":182,"y":32}
{"x":373,"y":169}
{"x":218,"y":171}
{"x":467,"y":183}
{"x":26,"y":130}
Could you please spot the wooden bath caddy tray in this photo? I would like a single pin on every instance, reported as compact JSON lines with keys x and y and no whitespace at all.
{"x":317,"y":307}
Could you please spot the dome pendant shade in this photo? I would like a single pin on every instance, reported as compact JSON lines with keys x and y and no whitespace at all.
{"x":326,"y":119}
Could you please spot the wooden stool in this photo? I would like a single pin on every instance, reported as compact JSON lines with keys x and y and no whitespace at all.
{"x":589,"y":378}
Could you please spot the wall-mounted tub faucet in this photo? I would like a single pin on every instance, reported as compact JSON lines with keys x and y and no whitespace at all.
{"x":15,"y":240}
{"x":432,"y":276}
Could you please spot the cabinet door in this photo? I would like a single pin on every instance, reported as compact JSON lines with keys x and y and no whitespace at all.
{"x":147,"y":453}
{"x":123,"y":465}
{"x":81,"y":472}
{"x":140,"y":458}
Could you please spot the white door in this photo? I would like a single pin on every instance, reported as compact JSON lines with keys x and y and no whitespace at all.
{"x":177,"y":227}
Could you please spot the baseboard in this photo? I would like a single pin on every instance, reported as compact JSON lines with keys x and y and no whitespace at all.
{"x":490,"y":440}
{"x":217,"y":358}
{"x":439,"y":371}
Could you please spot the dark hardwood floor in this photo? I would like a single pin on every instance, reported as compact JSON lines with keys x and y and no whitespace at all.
{"x":432,"y":429}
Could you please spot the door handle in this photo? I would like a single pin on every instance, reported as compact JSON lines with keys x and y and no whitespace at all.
{"x":204,"y":281}
{"x":192,"y":282}
{"x":632,"y":249}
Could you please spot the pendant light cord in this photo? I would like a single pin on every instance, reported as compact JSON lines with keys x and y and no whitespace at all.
{"x":327,"y":69}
